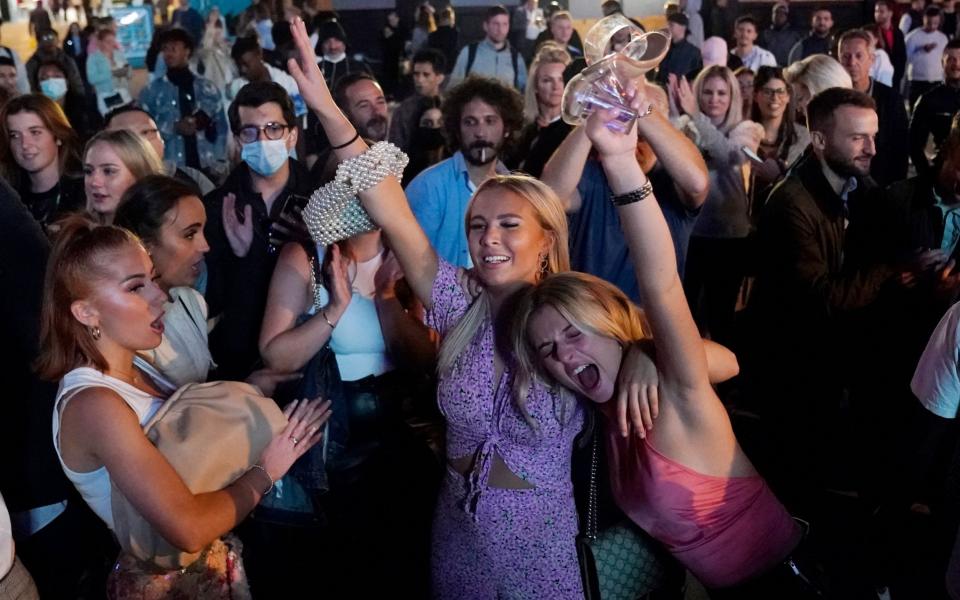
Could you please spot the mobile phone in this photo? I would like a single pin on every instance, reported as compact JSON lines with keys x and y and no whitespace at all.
{"x":751,"y":155}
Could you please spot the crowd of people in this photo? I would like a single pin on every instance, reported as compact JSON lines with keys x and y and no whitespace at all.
{"x":313,"y":318}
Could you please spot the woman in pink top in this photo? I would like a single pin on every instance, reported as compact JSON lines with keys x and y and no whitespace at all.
{"x":686,"y":482}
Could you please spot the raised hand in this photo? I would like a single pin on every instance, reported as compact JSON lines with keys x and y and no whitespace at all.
{"x":339,"y":284}
{"x":469,"y":282}
{"x":607,"y":141}
{"x":686,"y":98}
{"x":239,"y":233}
{"x":304,"y":428}
{"x":306,"y":72}
{"x":638,"y":400}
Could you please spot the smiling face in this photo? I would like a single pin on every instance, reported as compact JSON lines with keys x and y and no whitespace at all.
{"x":849,"y":145}
{"x":507,"y":242}
{"x":746,"y":34}
{"x":125,"y":302}
{"x":772,"y":98}
{"x":715,"y":99}
{"x":178,"y":251}
{"x":33,"y":146}
{"x":105,"y":179}
{"x":582,"y":361}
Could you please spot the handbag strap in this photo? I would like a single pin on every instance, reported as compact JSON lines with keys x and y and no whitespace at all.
{"x":591,"y":532}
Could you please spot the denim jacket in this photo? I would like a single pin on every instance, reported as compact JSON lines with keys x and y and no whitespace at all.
{"x":161,"y":99}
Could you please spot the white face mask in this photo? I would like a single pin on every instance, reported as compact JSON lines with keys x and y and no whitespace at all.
{"x":335,"y":58}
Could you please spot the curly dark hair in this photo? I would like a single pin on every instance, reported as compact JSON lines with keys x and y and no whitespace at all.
{"x":507,"y":101}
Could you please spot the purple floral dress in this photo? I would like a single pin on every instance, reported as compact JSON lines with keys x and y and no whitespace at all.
{"x":490,"y":542}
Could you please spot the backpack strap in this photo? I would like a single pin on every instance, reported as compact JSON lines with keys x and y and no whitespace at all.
{"x":514,"y":53}
{"x":471,"y":57}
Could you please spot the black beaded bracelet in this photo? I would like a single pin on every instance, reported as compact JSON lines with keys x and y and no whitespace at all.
{"x":352,"y":140}
{"x":635,"y":196}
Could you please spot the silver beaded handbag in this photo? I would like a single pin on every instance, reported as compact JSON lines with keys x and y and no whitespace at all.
{"x":334,"y":212}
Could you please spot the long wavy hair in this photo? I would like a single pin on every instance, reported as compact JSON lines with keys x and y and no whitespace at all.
{"x":735,"y":111}
{"x":586,"y":302}
{"x":53,"y":119}
{"x":553,"y":220}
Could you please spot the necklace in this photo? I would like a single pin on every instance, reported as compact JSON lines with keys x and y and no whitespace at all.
{"x":132,"y":377}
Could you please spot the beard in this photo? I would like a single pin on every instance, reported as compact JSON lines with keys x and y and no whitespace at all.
{"x":375,"y":129}
{"x":482,"y":153}
{"x":847,"y":167}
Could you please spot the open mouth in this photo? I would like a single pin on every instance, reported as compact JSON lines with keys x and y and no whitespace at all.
{"x":496,"y":259}
{"x":157,"y":326}
{"x":588,"y":376}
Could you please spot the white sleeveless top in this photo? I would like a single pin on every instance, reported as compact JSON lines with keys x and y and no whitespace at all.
{"x":357,"y":341}
{"x":94,"y":486}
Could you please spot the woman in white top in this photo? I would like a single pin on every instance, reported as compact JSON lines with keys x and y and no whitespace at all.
{"x":101,"y":306}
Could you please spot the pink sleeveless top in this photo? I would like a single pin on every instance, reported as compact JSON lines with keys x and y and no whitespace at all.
{"x":725,"y":530}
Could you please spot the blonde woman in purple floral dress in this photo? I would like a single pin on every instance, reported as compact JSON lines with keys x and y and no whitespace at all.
{"x":505,"y":521}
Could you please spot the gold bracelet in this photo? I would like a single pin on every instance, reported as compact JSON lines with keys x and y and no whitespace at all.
{"x":323,"y":313}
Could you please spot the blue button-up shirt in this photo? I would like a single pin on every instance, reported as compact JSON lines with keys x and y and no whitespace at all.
{"x":439,"y":198}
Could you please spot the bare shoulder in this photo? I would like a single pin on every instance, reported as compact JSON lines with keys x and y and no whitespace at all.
{"x":97,"y":408}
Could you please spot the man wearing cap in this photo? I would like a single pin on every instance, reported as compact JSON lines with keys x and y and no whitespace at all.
{"x":819,"y":41}
{"x":187,"y":108}
{"x":332,"y":53}
{"x":683,"y":58}
{"x":49,"y":50}
{"x":781,"y":36}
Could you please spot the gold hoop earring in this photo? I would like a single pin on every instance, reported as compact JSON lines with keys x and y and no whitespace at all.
{"x":95,"y":332}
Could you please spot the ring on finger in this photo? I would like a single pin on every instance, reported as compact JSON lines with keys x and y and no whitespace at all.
{"x":295,"y":440}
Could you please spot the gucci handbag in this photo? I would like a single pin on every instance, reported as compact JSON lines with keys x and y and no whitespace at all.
{"x":622,"y":562}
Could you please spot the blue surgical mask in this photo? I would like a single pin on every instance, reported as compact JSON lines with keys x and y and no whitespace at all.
{"x":54,"y":88}
{"x":265,"y":156}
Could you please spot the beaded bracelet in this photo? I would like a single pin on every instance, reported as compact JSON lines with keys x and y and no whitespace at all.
{"x":635,"y":196}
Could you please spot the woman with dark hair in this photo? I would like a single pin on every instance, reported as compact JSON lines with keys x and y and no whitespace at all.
{"x":79,"y":107}
{"x":101,"y":307}
{"x":169,"y":217}
{"x":40,"y":157}
{"x":427,"y":142}
{"x":784,"y":140}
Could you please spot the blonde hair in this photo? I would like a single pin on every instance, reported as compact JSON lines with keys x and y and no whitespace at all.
{"x":735,"y":111}
{"x":551,"y":217}
{"x":817,"y":73}
{"x":586,"y":302}
{"x":137,"y":155}
{"x":550,"y":53}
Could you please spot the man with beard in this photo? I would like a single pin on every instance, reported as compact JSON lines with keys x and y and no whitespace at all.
{"x":806,"y":287}
{"x":819,"y":41}
{"x":935,"y":110}
{"x":480,"y":116}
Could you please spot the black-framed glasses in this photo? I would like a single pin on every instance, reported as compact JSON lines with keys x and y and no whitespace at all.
{"x":771,"y":92}
{"x":251,"y":133}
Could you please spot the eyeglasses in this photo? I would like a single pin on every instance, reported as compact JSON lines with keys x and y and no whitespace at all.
{"x":770,"y":93}
{"x":251,"y":133}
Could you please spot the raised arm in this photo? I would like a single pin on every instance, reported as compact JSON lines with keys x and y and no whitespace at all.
{"x":680,"y":353}
{"x":385,"y":202}
{"x":564,"y":169}
{"x":679,"y":156}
